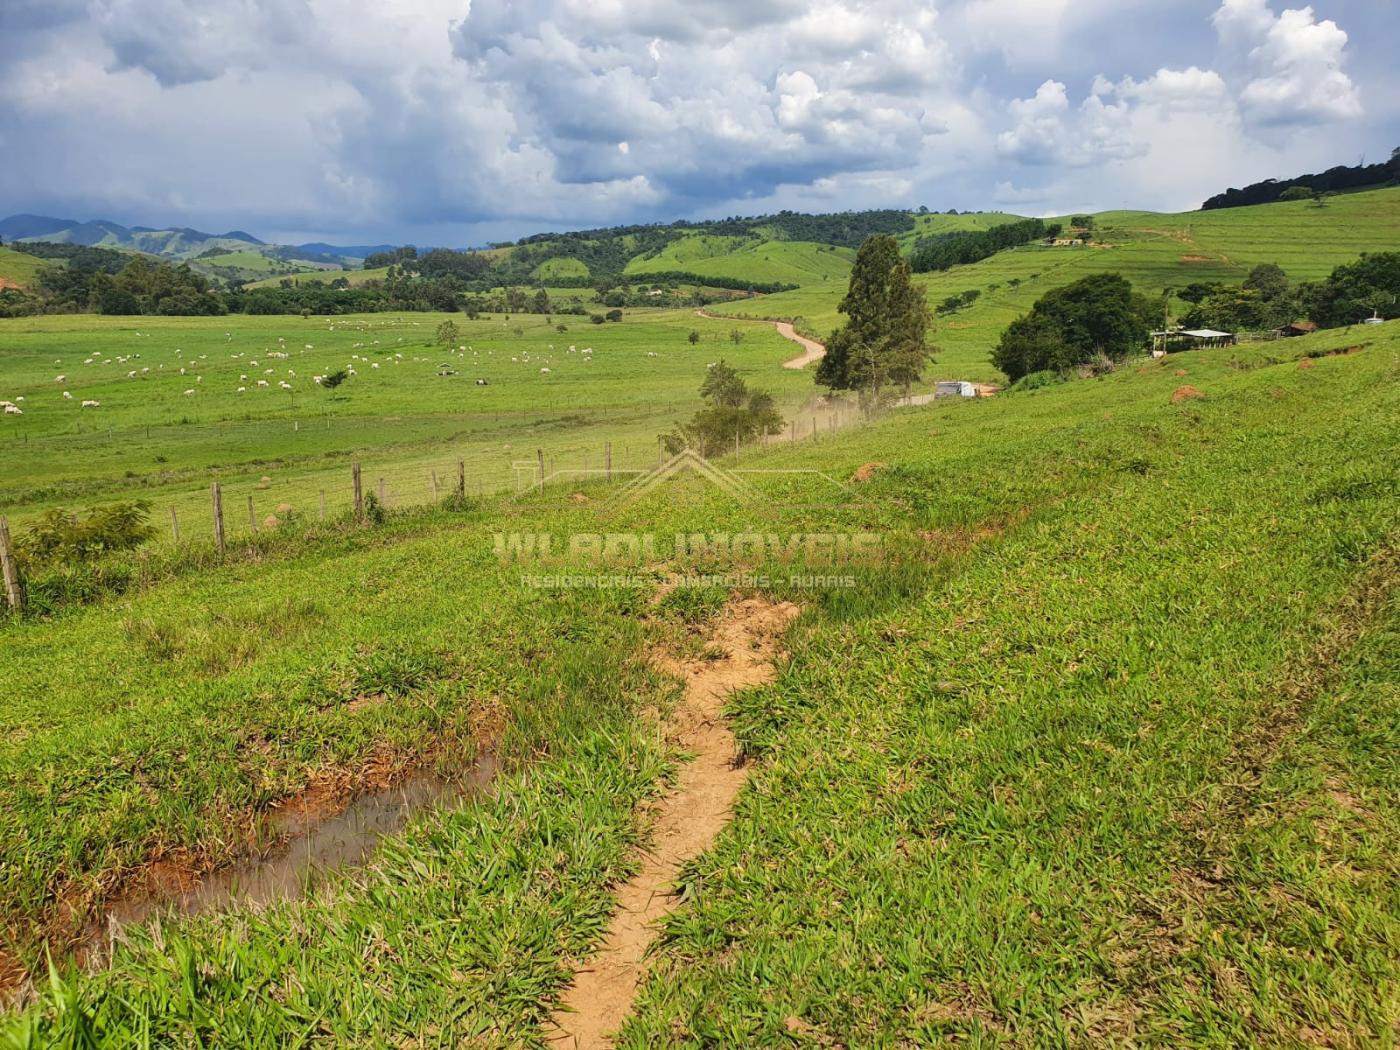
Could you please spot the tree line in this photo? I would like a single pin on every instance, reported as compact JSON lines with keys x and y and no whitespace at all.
{"x":969,"y":246}
{"x":1333,"y":180}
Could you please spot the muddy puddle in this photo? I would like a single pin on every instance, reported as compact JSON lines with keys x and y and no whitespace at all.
{"x":314,"y":844}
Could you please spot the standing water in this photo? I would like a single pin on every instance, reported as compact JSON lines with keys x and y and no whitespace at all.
{"x":313,"y":846}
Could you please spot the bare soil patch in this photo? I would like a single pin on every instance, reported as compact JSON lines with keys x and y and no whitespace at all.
{"x":1186,"y":393}
{"x":739,"y":654}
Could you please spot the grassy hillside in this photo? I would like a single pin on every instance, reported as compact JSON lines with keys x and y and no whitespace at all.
{"x":561,"y":268}
{"x":931,"y":225}
{"x":18,"y":270}
{"x":789,"y":262}
{"x":353,"y":276}
{"x":1100,"y":753}
{"x":1152,"y":250}
{"x":258,"y":262}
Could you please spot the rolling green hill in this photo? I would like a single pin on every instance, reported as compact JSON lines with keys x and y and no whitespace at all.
{"x":552,"y":268}
{"x":17,"y":269}
{"x":788,"y":262}
{"x":1153,"y":250}
{"x":355,"y":277}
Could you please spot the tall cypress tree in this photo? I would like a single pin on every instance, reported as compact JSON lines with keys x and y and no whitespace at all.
{"x":883,"y":339}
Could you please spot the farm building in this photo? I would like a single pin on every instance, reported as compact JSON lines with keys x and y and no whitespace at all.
{"x":1191,"y":339}
{"x":1296,"y":328}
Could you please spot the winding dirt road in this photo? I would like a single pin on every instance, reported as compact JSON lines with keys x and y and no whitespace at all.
{"x":811,"y":349}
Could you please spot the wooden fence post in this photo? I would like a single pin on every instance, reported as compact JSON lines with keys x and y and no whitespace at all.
{"x":323,"y":504}
{"x":359,"y":492}
{"x":217,"y":495}
{"x":382,"y":502}
{"x":252,"y":518}
{"x":539,"y":469}
{"x":607,"y":460}
{"x":658,"y":450}
{"x":174,"y":526}
{"x":14,"y":590}
{"x":462,"y":478}
{"x":435,"y":488}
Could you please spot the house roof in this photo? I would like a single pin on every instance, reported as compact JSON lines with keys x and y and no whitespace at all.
{"x":1303,"y":326}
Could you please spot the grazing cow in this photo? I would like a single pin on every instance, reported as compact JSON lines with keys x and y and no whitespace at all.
{"x":13,"y":410}
{"x":92,"y":404}
{"x":482,"y":382}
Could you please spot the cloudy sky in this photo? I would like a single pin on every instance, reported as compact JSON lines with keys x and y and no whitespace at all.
{"x":461,"y":121}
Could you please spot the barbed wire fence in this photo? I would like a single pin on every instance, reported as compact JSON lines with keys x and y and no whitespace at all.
{"x":233,"y":512}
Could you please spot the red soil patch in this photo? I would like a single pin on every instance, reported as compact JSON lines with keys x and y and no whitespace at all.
{"x":1186,"y":393}
{"x":865,"y":472}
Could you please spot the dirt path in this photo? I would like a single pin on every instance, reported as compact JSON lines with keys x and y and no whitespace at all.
{"x":811,"y":349}
{"x":686,"y":821}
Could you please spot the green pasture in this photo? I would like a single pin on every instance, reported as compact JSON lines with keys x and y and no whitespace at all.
{"x":398,"y":415}
{"x":560,"y":268}
{"x":749,"y":258}
{"x":1100,"y":752}
{"x":256,"y":262}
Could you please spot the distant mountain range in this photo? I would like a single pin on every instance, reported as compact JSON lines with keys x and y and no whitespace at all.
{"x":178,"y":243}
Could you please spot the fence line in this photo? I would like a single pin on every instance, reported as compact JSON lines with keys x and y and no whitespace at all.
{"x":395,"y":488}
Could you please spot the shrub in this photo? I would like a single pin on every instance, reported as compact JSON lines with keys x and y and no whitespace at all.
{"x":58,"y":536}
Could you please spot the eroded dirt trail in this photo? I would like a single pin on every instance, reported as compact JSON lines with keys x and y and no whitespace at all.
{"x":686,"y":822}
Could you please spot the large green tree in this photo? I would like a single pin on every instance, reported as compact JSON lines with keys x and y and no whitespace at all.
{"x":1356,"y":291}
{"x":884,"y":339}
{"x":1075,"y":325}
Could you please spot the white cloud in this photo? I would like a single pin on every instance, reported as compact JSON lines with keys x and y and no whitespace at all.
{"x":434,"y":118}
{"x":1295,"y":64}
